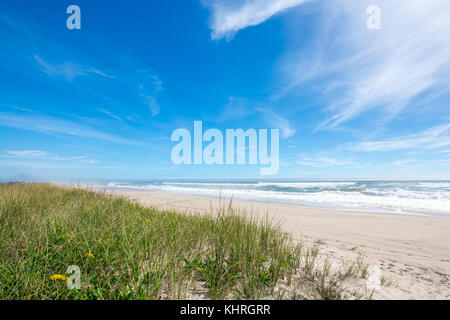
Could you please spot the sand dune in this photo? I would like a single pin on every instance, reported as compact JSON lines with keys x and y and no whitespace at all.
{"x":411,"y":253}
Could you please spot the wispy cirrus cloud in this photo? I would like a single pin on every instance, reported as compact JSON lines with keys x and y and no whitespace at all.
{"x":228,"y":17}
{"x":67,"y":70}
{"x":44,"y":155}
{"x":433,"y":138}
{"x":386,"y":71}
{"x":22,"y":46}
{"x":240,"y":109}
{"x":28,"y":153}
{"x":56,"y":126}
{"x":321,"y":161}
{"x":149,"y":87}
{"x":149,"y":100}
{"x":401,"y":163}
{"x":110,"y":114}
{"x":277,"y":121}
{"x":29,"y":51}
{"x":237,"y":108}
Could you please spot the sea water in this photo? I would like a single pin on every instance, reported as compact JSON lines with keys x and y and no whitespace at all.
{"x":402,"y":197}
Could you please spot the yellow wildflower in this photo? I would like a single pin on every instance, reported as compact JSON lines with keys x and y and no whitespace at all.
{"x":124,"y":294}
{"x":66,"y":236}
{"x":90,"y":255}
{"x":58,"y":277}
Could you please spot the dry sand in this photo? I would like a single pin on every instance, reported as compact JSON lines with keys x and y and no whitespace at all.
{"x":412,"y":253}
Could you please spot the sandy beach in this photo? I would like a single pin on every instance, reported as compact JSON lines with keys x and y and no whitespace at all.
{"x":411,"y":253}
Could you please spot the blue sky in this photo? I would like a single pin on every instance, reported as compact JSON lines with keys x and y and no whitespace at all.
{"x":101,"y":103}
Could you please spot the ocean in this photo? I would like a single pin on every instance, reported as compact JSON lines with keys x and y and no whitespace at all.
{"x":430,"y":198}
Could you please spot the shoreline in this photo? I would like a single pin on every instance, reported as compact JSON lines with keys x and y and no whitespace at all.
{"x":275,"y":203}
{"x":411,"y":252}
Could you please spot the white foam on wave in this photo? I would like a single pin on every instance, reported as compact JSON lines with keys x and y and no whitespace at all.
{"x":385,"y":197}
{"x":307,"y":184}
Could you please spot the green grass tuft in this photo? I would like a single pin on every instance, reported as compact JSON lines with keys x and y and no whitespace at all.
{"x":126,"y":251}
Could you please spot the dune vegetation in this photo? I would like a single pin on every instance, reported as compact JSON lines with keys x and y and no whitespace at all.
{"x":126,"y":251}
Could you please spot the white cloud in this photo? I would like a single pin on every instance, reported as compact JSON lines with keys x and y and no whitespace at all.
{"x":243,"y":109}
{"x":432,"y":138}
{"x":148,"y":90}
{"x":28,"y":153}
{"x":67,"y":70}
{"x":99,"y":72}
{"x":44,"y":155}
{"x":321,"y":161}
{"x":278,"y":122}
{"x":150,"y":101}
{"x":37,"y":165}
{"x":110,"y":114}
{"x":442,"y":163}
{"x":400,"y":163}
{"x":51,"y":125}
{"x":332,"y":162}
{"x":229,"y":17}
{"x":157,"y":83}
{"x":361,"y":70}
{"x":236,"y":109}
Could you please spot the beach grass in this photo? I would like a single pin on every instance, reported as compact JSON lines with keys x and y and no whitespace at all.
{"x":126,"y":251}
